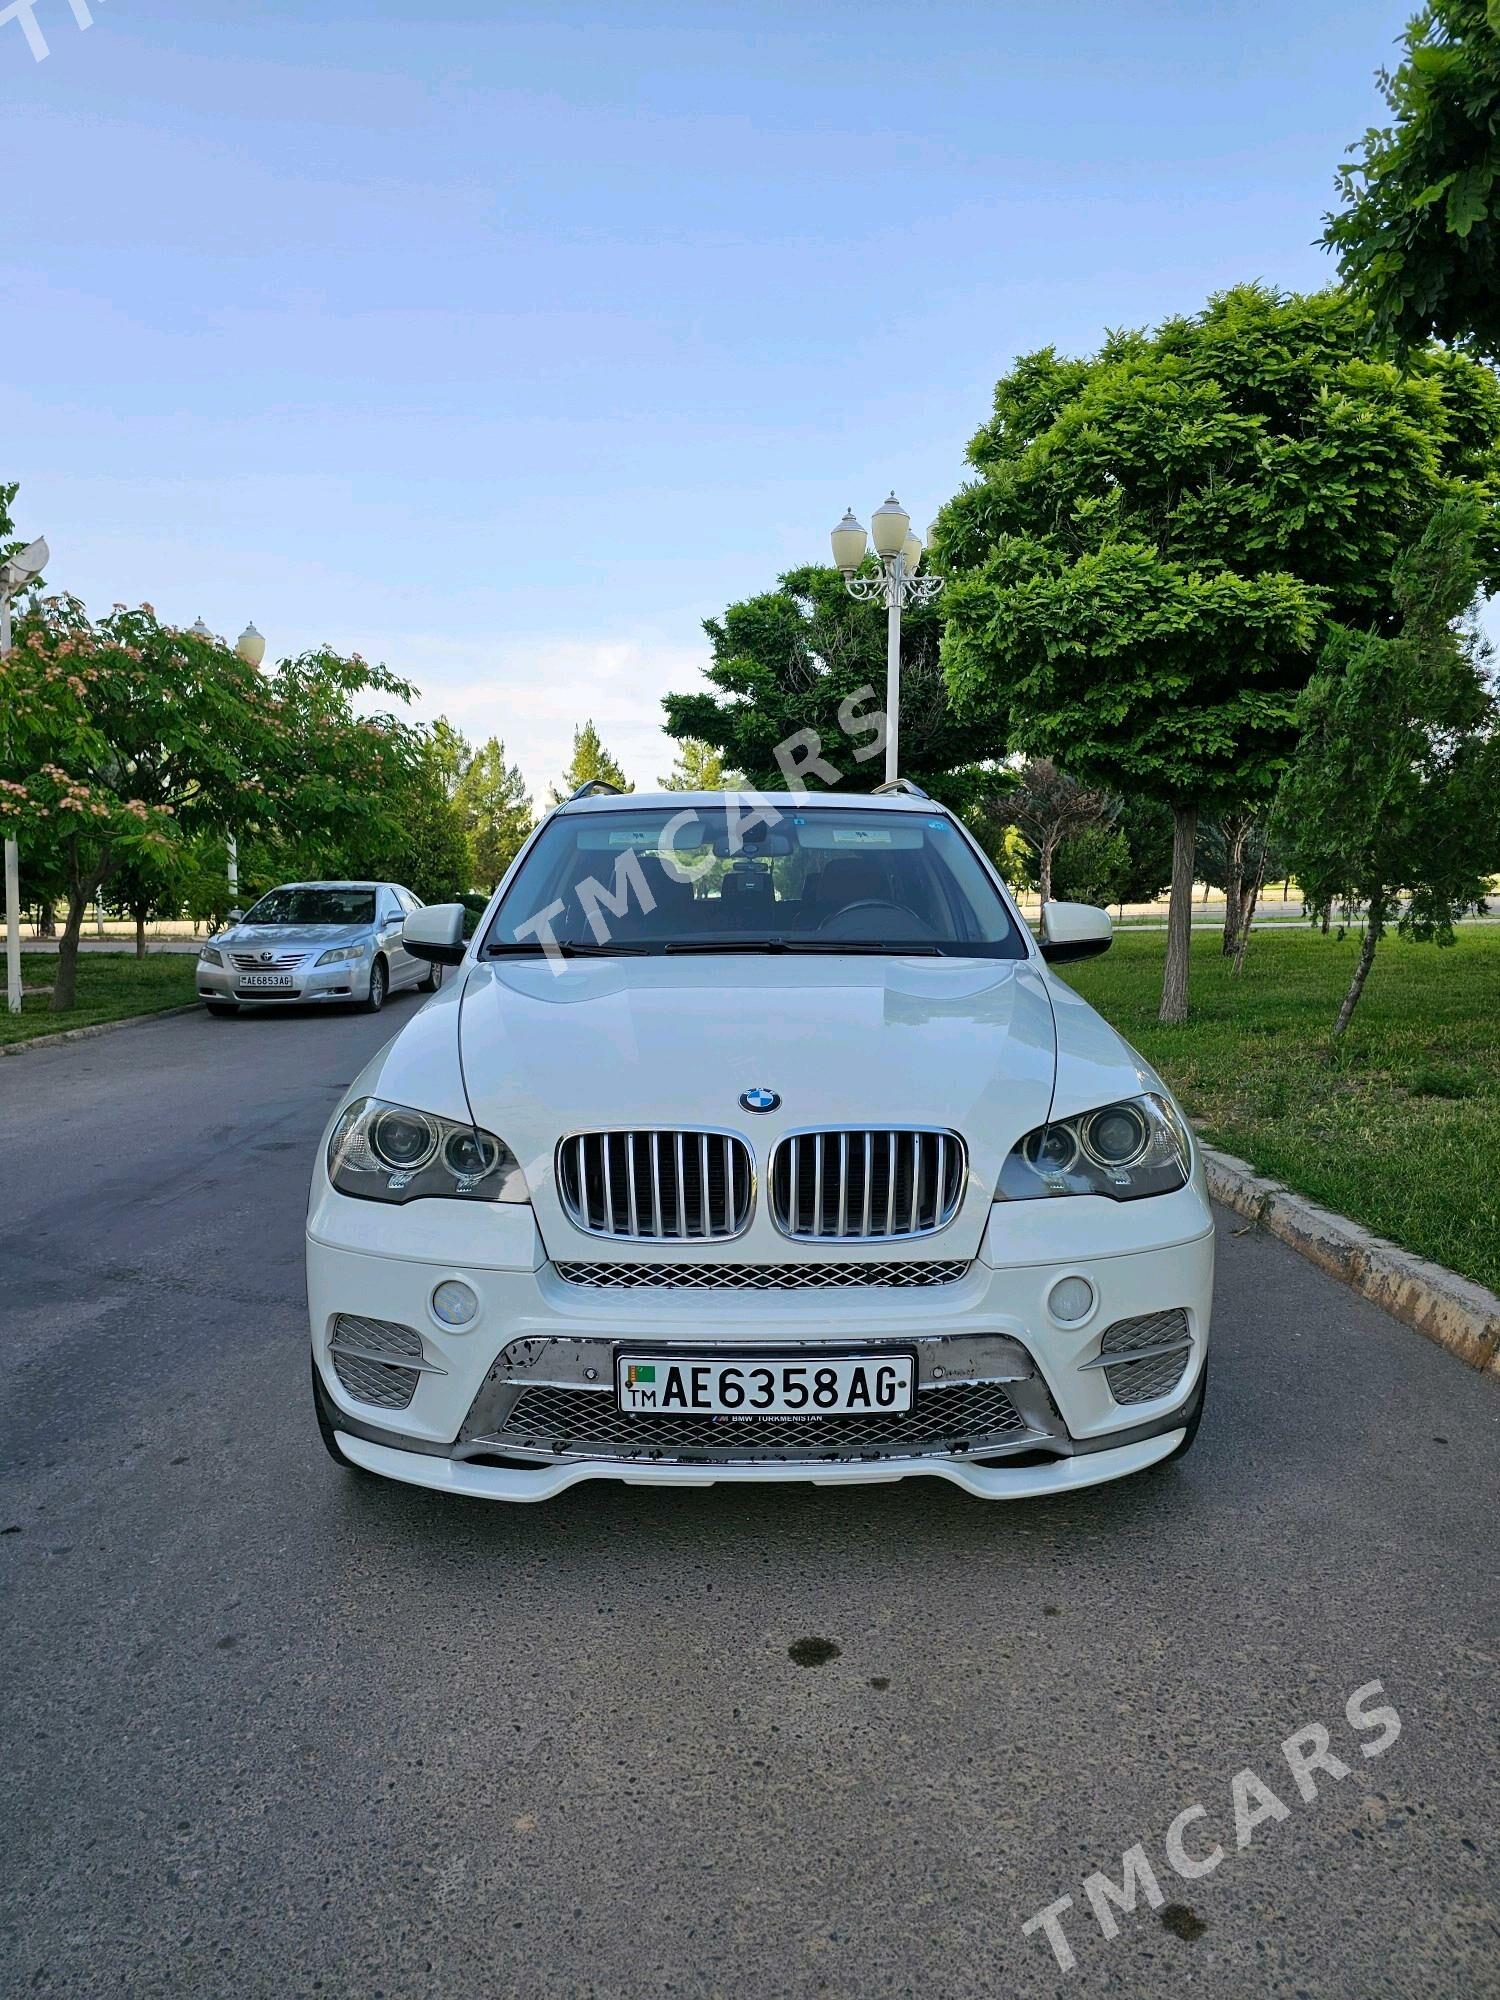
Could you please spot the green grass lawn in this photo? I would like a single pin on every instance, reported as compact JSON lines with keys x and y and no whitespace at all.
{"x":1401,"y":1130}
{"x":111,"y":986}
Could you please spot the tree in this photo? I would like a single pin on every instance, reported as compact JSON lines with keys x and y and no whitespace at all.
{"x":497,"y":810}
{"x":424,"y":843}
{"x":1396,"y":782}
{"x":1418,"y":236}
{"x":1145,"y":825}
{"x":590,"y":760}
{"x":787,"y":662}
{"x":151,"y":882}
{"x":700,"y":768}
{"x":1235,"y":854}
{"x":1161,"y":537}
{"x":450,"y":753}
{"x":1047,"y":807}
{"x":1092,"y":866}
{"x":125,"y":736}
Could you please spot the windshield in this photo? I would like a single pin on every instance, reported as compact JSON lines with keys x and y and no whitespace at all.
{"x":747,"y":877}
{"x":314,"y":906}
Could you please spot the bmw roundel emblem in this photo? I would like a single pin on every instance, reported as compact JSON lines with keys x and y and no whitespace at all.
{"x":759,"y":1099}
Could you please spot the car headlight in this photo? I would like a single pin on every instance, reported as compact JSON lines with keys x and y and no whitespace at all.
{"x":389,"y":1152}
{"x":1136,"y":1147}
{"x":341,"y":952}
{"x":208,"y":956}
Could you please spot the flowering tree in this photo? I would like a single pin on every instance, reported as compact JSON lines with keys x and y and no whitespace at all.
{"x":122,"y":737}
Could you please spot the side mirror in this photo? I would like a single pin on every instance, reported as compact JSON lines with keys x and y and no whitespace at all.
{"x":234,"y":917}
{"x":437,"y":933}
{"x":1074,"y":930}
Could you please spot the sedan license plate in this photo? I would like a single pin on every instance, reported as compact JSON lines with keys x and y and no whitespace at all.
{"x":833,"y":1385}
{"x":262,"y":982}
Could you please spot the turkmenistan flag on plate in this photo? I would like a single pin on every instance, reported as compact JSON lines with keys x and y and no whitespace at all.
{"x":639,"y":1371}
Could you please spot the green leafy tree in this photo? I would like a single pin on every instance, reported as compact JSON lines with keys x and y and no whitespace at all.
{"x":1092,"y":866}
{"x":1145,"y":825}
{"x":700,"y":767}
{"x":497,"y":810}
{"x":10,"y":544}
{"x":1161,"y":536}
{"x":151,"y":884}
{"x":1047,"y":808}
{"x":590,"y":760}
{"x":123,"y":737}
{"x":424,"y":843}
{"x":451,"y":754}
{"x":1235,"y":854}
{"x":1395,"y":787}
{"x":806,"y":657}
{"x":1418,"y":235}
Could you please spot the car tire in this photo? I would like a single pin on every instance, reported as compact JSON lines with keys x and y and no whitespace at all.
{"x":374,"y":1000}
{"x":324,"y":1414}
{"x":223,"y":1008}
{"x":433,"y":980}
{"x":1194,"y":1419}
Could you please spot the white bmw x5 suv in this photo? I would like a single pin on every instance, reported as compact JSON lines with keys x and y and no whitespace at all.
{"x":754,"y":1139}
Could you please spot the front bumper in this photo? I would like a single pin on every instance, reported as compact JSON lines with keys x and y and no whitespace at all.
{"x":311,"y":984}
{"x":988,"y":1330}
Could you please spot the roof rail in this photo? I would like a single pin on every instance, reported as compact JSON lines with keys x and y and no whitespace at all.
{"x":901,"y":785}
{"x":587,"y":791}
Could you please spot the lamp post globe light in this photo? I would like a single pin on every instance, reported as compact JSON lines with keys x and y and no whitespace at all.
{"x":896,"y":584}
{"x":20,"y":573}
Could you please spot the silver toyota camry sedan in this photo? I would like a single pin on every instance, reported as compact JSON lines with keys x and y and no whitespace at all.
{"x":337,"y":942}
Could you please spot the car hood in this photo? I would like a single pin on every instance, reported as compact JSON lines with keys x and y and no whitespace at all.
{"x":289,"y":937}
{"x":672,"y":1042}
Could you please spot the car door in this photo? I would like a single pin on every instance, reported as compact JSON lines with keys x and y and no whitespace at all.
{"x":389,"y":921}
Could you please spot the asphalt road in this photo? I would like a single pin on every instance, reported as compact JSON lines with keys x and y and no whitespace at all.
{"x":272,"y":1731}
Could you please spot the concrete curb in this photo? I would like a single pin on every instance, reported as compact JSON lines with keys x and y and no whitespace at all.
{"x":1453,"y":1311}
{"x":99,"y":1028}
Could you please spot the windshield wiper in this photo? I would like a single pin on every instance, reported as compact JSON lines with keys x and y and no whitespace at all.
{"x":804,"y":945}
{"x":564,"y":948}
{"x":868,"y":946}
{"x":727,"y":944}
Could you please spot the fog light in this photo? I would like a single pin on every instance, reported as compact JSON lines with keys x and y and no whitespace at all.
{"x":454,"y":1302}
{"x":1070,"y":1300}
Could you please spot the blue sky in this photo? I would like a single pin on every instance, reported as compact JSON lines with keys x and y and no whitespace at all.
{"x":506,"y":344}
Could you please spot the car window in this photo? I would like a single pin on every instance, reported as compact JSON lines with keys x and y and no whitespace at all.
{"x":821,"y":878}
{"x":313,"y":906}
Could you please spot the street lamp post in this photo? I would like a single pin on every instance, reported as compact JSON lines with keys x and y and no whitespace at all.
{"x":22,"y":570}
{"x":897,"y":584}
{"x":251,"y":648}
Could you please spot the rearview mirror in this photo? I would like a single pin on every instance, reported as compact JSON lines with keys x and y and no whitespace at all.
{"x":1074,"y":930}
{"x":436,"y":933}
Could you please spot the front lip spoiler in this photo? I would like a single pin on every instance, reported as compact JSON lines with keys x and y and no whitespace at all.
{"x":465,"y":1478}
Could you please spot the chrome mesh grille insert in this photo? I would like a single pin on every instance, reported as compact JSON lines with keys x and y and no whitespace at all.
{"x":1162,"y":1344}
{"x":655,"y":1186}
{"x":586,"y":1424}
{"x":358,"y":1350}
{"x":251,"y":961}
{"x":762,"y":1277}
{"x":864,"y":1185}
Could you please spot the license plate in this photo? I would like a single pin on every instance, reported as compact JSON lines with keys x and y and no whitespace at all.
{"x":833,"y":1385}
{"x":262,"y":982}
